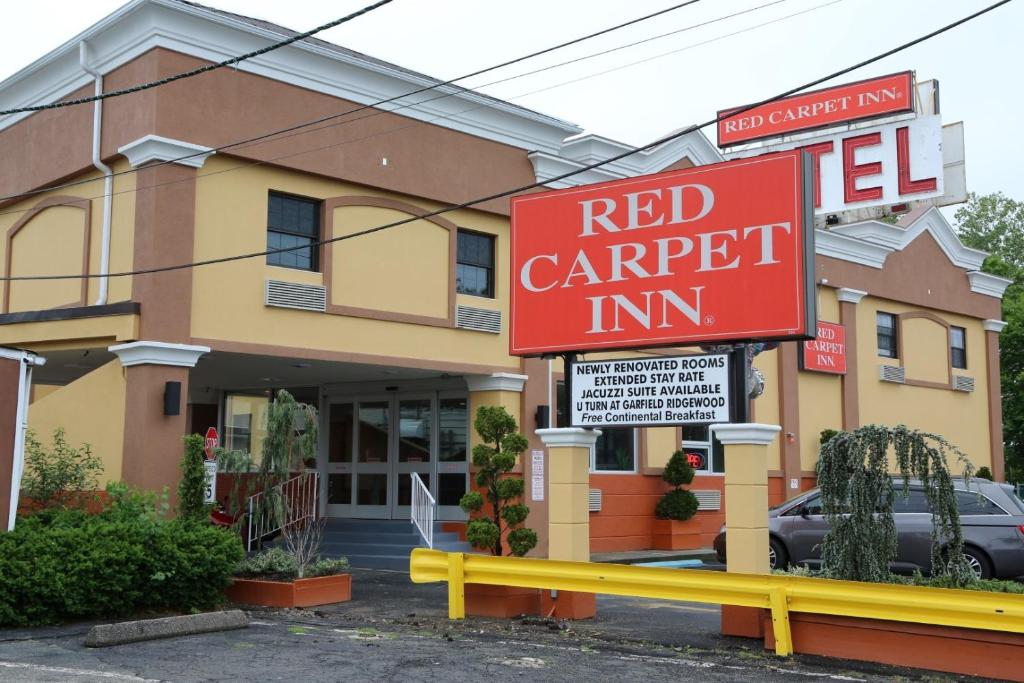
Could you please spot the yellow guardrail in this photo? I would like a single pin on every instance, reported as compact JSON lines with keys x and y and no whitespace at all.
{"x":779,"y":593}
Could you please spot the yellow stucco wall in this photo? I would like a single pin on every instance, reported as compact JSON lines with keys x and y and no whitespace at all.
{"x":961,"y":417}
{"x":821,"y":407}
{"x":766,"y":406}
{"x":661,"y":444}
{"x":925,"y":354}
{"x":91,"y":410}
{"x":33,"y":247}
{"x":228,"y":299}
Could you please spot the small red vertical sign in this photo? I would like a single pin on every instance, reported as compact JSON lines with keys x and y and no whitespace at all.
{"x":827,"y":351}
{"x":211,"y":443}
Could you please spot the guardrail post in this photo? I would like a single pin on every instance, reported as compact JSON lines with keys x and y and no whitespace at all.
{"x":780,"y":622}
{"x":746,"y":513}
{"x":569,"y":512}
{"x":456,"y":586}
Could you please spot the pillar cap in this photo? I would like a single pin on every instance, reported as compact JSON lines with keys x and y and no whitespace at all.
{"x":746,"y":433}
{"x":992,"y":325}
{"x":158,"y":148}
{"x":850,"y":296}
{"x":158,"y":353}
{"x":499,"y":381}
{"x":569,"y":437}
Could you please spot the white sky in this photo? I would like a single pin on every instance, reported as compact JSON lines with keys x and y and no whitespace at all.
{"x":978,"y":65}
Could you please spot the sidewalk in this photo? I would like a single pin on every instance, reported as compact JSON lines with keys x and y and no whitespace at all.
{"x":639,"y":556}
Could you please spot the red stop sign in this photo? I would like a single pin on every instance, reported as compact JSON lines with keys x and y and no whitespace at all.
{"x":211,"y":443}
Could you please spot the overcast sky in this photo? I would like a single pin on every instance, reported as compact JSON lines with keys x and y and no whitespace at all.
{"x":978,"y":64}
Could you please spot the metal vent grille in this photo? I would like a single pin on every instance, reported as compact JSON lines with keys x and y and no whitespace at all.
{"x":295,"y":295}
{"x":595,"y":500}
{"x":708,"y":500}
{"x":963,"y":383}
{"x":892,"y":373}
{"x":479,"y":319}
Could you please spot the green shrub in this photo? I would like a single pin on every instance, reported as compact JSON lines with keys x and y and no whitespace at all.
{"x":60,"y":475}
{"x":277,"y":565}
{"x":678,"y":504}
{"x":192,"y":487}
{"x":984,"y":473}
{"x":66,"y":564}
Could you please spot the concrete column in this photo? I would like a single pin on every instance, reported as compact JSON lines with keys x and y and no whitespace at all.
{"x":995,"y":397}
{"x":569,"y":511}
{"x":746,"y":513}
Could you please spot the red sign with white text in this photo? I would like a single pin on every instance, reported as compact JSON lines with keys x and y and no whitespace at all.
{"x":827,"y":351}
{"x":868,"y":99}
{"x":210,"y":443}
{"x":710,"y":254}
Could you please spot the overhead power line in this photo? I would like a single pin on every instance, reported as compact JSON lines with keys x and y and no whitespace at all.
{"x":329,"y":117}
{"x":531,"y":186}
{"x":200,"y":70}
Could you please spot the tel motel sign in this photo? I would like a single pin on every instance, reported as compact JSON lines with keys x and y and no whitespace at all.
{"x":711,"y":254}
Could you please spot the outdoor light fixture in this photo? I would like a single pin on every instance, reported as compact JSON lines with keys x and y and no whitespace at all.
{"x":543,"y":417}
{"x":172,"y":398}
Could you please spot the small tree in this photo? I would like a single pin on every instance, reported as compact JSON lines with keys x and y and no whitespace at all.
{"x":59,"y":476}
{"x":984,"y":473}
{"x":192,"y":487}
{"x":493,"y":459}
{"x":857,"y":494}
{"x":679,"y":503}
{"x":292,"y":434}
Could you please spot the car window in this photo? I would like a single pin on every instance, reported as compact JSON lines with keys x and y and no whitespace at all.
{"x":813,"y":505}
{"x":917,"y":502}
{"x":1008,"y":491}
{"x":972,"y":503}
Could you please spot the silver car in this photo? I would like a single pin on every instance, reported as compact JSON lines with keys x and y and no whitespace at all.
{"x":991,"y":517}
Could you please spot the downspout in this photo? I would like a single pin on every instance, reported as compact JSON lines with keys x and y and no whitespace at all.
{"x":108,"y":177}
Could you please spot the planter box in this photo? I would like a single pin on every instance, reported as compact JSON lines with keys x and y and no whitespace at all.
{"x":670,"y":534}
{"x":502,"y":602}
{"x":973,"y":652}
{"x":319,"y":590}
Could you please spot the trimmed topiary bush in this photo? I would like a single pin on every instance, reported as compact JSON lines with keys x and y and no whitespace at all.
{"x":678,"y":504}
{"x":984,"y":473}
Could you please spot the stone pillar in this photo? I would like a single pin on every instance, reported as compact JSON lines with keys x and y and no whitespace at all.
{"x":152,"y":440}
{"x":995,"y":397}
{"x":569,"y":512}
{"x":746,"y":513}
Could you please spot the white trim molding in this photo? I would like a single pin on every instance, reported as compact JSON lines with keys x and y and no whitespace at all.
{"x":748,"y":433}
{"x":987,"y":284}
{"x":992,"y":325}
{"x":157,"y":148}
{"x":158,"y":353}
{"x":499,"y":381}
{"x":845,"y":295}
{"x":839,"y":246}
{"x":568,"y":437}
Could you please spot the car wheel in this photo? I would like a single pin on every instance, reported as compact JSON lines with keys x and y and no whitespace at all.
{"x":978,"y":562}
{"x":778,"y":558}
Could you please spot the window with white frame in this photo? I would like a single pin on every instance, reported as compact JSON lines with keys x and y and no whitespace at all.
{"x":615,"y":450}
{"x":704,"y":452}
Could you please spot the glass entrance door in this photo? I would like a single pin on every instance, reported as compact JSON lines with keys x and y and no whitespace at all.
{"x":376,"y":442}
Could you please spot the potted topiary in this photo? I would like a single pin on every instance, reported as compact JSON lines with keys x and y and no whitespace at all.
{"x":674,"y":526}
{"x":497,"y":513}
{"x":293,"y":575}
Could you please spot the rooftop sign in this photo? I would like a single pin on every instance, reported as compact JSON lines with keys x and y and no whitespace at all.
{"x":868,"y":99}
{"x":703,"y":255}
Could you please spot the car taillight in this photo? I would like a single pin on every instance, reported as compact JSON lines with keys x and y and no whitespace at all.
{"x":1020,"y":528}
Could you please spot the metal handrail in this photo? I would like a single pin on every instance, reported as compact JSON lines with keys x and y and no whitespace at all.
{"x":779,"y":593}
{"x":422,"y":510}
{"x":287,"y":504}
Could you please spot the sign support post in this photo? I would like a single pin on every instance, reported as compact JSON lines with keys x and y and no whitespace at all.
{"x":739,"y":368}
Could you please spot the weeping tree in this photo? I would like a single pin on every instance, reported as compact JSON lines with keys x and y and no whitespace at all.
{"x":291,"y":440}
{"x":857,"y":495}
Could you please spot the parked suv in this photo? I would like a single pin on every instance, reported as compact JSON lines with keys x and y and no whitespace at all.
{"x":991,"y":517}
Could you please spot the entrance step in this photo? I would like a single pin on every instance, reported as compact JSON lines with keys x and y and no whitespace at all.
{"x":382,"y":543}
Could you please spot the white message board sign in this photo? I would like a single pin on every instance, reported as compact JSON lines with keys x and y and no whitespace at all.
{"x":537,"y":481}
{"x":211,"y":480}
{"x":644,"y":392}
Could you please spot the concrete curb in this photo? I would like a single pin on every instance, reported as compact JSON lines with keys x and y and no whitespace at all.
{"x":124,"y":632}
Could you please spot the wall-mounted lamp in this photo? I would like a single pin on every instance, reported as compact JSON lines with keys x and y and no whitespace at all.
{"x":543,"y":417}
{"x":172,"y":398}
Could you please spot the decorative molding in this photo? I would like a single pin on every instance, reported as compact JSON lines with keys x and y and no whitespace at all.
{"x":157,"y":148}
{"x":992,"y":325}
{"x":934,"y":222}
{"x":158,"y":353}
{"x":883,"y":234}
{"x":989,"y":285}
{"x":568,"y":437}
{"x":838,"y":246}
{"x":845,"y":295}
{"x":750,"y":433}
{"x":499,"y":381}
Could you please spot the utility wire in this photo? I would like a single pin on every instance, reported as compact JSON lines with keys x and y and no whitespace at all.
{"x":371,"y":105}
{"x":377,"y":112}
{"x":531,"y":186}
{"x":200,"y":70}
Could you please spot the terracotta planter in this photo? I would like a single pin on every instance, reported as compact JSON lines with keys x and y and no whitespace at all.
{"x":501,"y":601}
{"x":320,"y":590}
{"x":669,"y":534}
{"x":974,"y":652}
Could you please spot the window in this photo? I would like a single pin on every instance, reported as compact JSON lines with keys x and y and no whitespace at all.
{"x":958,"y":346}
{"x":886,"y":323}
{"x":475,"y":264}
{"x":614,"y":451}
{"x":704,"y":452}
{"x":972,"y":503}
{"x":293,"y":222}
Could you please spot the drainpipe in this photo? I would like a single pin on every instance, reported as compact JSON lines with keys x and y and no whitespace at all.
{"x":108,"y":178}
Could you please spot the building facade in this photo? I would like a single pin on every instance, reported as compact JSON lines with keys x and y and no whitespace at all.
{"x":396,"y":335}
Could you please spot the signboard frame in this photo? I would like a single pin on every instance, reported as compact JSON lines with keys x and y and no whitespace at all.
{"x":729,"y":390}
{"x":804,"y":234}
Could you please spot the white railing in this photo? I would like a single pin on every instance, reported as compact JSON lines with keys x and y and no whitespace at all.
{"x":422,"y":510}
{"x":289,"y":503}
